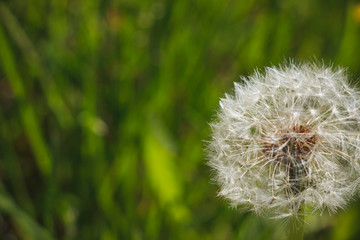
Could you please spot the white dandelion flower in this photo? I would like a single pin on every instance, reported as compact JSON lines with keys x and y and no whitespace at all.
{"x":288,"y":137}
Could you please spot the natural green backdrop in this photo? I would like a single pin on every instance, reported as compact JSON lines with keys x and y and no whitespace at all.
{"x":105,"y":105}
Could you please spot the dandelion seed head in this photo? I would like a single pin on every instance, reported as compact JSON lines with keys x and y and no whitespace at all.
{"x":288,"y":136}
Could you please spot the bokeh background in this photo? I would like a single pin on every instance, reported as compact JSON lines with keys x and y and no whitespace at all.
{"x":105,"y":105}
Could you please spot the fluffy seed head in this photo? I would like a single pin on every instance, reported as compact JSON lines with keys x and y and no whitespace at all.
{"x":288,"y":137}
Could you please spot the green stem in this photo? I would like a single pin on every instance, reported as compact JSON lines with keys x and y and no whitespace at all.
{"x":296,"y":226}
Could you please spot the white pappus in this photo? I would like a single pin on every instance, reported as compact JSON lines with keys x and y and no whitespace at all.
{"x":287,"y":137}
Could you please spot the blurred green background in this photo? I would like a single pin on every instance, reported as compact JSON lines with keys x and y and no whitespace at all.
{"x":105,"y":105}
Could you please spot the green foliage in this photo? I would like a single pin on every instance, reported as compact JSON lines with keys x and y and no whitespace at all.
{"x":105,"y":108}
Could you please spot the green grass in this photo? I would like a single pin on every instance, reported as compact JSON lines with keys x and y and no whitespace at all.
{"x":105,"y":105}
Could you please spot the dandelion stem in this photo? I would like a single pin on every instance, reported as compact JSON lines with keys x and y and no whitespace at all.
{"x":296,"y":225}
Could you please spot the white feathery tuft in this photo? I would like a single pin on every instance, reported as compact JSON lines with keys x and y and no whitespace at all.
{"x":286,"y":137}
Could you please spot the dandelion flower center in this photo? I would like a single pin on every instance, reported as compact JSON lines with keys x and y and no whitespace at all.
{"x":290,"y":151}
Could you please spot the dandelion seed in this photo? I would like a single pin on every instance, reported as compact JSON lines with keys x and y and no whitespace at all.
{"x":286,"y":138}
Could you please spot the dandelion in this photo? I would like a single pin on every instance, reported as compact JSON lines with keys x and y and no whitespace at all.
{"x":287,"y":138}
